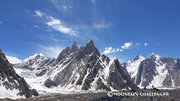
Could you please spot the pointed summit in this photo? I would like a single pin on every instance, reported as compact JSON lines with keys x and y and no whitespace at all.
{"x":138,"y":57}
{"x":41,"y":54}
{"x":90,"y":47}
{"x":153,"y":56}
{"x":64,"y":53}
{"x":90,"y":43}
{"x":74,"y":47}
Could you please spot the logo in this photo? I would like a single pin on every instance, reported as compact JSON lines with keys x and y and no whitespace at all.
{"x":110,"y":94}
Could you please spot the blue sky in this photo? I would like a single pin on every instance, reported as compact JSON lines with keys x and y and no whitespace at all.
{"x":119,"y":28}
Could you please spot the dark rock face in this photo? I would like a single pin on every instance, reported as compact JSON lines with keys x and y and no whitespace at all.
{"x":86,"y":69}
{"x":74,"y":47}
{"x":146,"y":70}
{"x":64,"y":53}
{"x":120,"y":77}
{"x":90,"y":47}
{"x":14,"y":81}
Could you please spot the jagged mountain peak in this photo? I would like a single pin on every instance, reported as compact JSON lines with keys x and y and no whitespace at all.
{"x":41,"y":54}
{"x":74,"y":44}
{"x":64,"y":53}
{"x":33,"y":56}
{"x":74,"y":47}
{"x":153,"y":56}
{"x":138,"y":57}
{"x":90,"y":44}
{"x":90,"y":47}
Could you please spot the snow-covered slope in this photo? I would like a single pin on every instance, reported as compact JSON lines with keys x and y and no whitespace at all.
{"x":132,"y":67}
{"x":11,"y":84}
{"x":79,"y":69}
{"x":32,"y":62}
{"x":155,"y":70}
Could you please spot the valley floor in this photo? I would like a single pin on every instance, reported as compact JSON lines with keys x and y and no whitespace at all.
{"x":174,"y":95}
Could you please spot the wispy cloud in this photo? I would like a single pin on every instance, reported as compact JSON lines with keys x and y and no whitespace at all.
{"x":13,"y":60}
{"x":48,"y":30}
{"x":64,"y":6}
{"x":54,"y":1}
{"x":145,"y":44}
{"x":28,"y":11}
{"x":94,"y":2}
{"x":23,"y":25}
{"x":39,"y":13}
{"x":137,"y":44}
{"x":52,"y":52}
{"x":126,"y":45}
{"x":57,"y":25}
{"x":0,"y":22}
{"x":36,"y":26}
{"x":70,"y":7}
{"x":157,"y":43}
{"x":56,"y":40}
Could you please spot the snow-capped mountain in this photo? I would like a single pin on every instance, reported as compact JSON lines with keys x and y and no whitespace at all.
{"x":82,"y":69}
{"x":11,"y":84}
{"x":132,"y":66}
{"x":156,"y":70}
{"x":32,"y":62}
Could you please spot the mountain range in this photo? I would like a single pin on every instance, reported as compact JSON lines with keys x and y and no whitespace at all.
{"x":154,"y":70}
{"x":85,"y":69}
{"x":76,"y":68}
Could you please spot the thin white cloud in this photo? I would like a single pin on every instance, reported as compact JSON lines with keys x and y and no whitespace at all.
{"x":126,"y":45}
{"x":157,"y":43}
{"x":48,"y":30}
{"x":28,"y":11}
{"x":0,"y":22}
{"x":145,"y":44}
{"x":13,"y":60}
{"x":56,"y":40}
{"x":64,"y":6}
{"x":70,"y":7}
{"x":39,"y":13}
{"x":94,"y":2}
{"x":52,"y":52}
{"x":23,"y":25}
{"x":36,"y":26}
{"x":109,"y":50}
{"x":137,"y":44}
{"x":56,"y":24}
{"x":54,"y":1}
